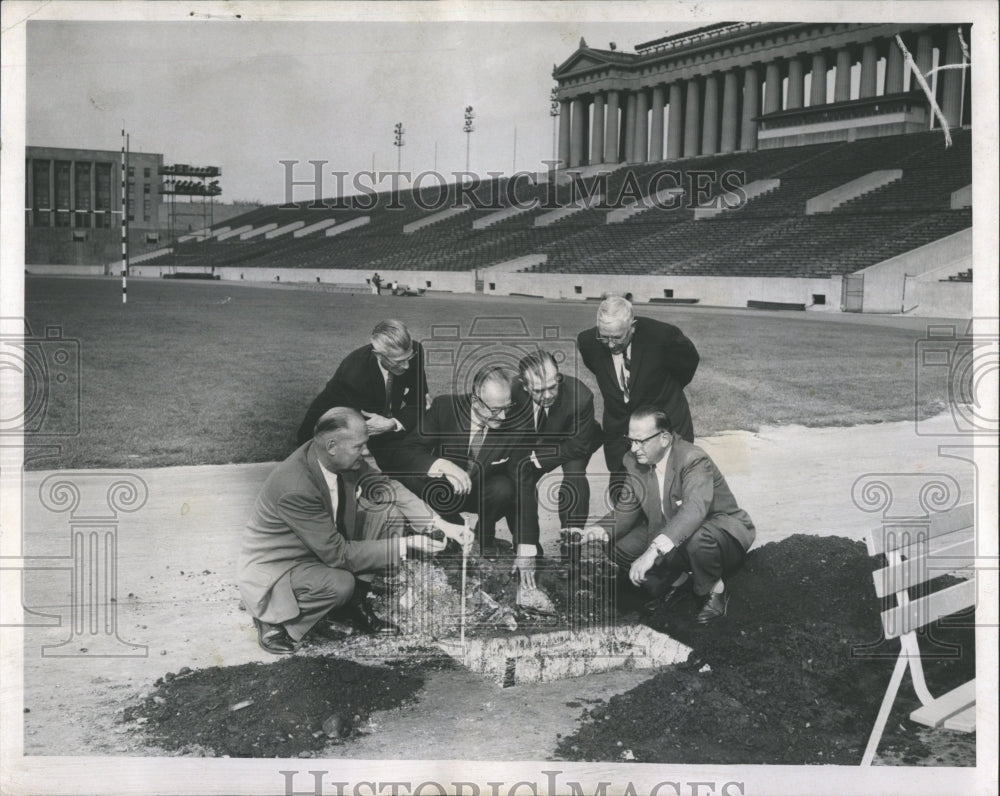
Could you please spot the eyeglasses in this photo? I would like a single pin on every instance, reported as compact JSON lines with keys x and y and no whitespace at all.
{"x":494,"y":412}
{"x":547,"y":388}
{"x":397,"y":360}
{"x":641,"y":442}
{"x":618,"y":338}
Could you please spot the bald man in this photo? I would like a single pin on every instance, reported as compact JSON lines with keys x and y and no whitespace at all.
{"x":310,"y":547}
{"x":637,"y":362}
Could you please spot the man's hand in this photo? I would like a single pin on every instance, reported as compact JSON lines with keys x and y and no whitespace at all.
{"x":464,"y":536}
{"x":377,"y":424}
{"x":457,"y":477}
{"x":419,"y":543}
{"x":525,"y":567}
{"x":642,"y":565}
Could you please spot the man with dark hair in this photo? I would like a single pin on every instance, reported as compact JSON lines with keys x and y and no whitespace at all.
{"x":458,"y":458}
{"x":555,"y":415}
{"x":636,"y":361}
{"x":676,"y":526}
{"x":323,"y":524}
{"x":383,"y":380}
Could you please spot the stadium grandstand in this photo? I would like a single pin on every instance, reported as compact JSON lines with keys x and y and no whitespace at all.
{"x":777,"y":165}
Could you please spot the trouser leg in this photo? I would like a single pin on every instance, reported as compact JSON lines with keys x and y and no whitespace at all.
{"x":495,"y":499}
{"x":317,"y":589}
{"x":574,"y":494}
{"x":710,"y":554}
{"x":615,"y":448}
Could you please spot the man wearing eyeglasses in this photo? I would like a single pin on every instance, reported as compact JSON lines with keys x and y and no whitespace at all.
{"x":677,"y":527}
{"x":459,"y":457}
{"x":637,"y":362}
{"x":383,"y":380}
{"x":555,"y":413}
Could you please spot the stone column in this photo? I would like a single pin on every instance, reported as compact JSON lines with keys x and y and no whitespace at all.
{"x":579,"y":129}
{"x":842,"y":76}
{"x":641,"y":149}
{"x":675,"y":128}
{"x":692,"y":117}
{"x":565,"y":124}
{"x":630,"y":128}
{"x":869,"y":70}
{"x":894,"y":69}
{"x":656,"y":125}
{"x":817,"y":88}
{"x":772,"y":87}
{"x":751,"y":105}
{"x":597,"y":139}
{"x":951,"y":86}
{"x":611,"y":126}
{"x":796,"y":84}
{"x":710,"y":123}
{"x":730,"y":111}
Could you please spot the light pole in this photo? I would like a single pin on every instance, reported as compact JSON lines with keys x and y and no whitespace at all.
{"x":467,"y":128}
{"x":398,"y":142}
{"x":554,"y":113}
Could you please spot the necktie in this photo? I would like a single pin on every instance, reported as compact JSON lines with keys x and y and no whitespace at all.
{"x":624,"y":374}
{"x":334,"y":496}
{"x":543,"y":415}
{"x":387,"y":409}
{"x":476,"y":445}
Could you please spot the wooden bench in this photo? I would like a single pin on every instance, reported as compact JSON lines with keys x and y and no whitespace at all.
{"x":911,"y":561}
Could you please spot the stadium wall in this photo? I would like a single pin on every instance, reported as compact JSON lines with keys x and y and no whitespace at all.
{"x":885,"y":282}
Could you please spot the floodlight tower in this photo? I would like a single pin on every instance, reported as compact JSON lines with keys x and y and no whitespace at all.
{"x":554,"y":113}
{"x":399,"y":143}
{"x":467,"y":128}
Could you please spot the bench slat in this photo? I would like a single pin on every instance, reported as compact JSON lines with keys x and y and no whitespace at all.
{"x":947,"y":705}
{"x":918,"y":613}
{"x":965,"y":721}
{"x":923,"y":568}
{"x":896,"y":536}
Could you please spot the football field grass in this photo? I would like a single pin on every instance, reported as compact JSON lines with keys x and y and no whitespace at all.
{"x":212,"y":373}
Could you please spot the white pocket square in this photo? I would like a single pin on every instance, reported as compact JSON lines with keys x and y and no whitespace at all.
{"x":500,"y":461}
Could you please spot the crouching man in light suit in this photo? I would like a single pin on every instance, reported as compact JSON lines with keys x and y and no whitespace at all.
{"x":677,"y":527}
{"x":310,"y":547}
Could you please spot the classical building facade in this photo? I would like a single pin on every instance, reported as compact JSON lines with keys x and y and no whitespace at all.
{"x":745,"y":86}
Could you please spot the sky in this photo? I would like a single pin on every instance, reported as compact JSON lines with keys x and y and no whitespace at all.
{"x":246,"y":94}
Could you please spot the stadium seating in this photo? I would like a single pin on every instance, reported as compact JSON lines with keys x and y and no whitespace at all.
{"x":770,"y":235}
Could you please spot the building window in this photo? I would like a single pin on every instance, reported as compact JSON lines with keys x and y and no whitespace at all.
{"x":102,"y":187}
{"x":428,"y":283}
{"x":578,"y":289}
{"x":145,"y":188}
{"x":668,"y":293}
{"x":81,"y":190}
{"x":79,"y":236}
{"x":493,"y":285}
{"x":81,"y":220}
{"x":62,"y":218}
{"x":42,"y":218}
{"x":62,"y":185}
{"x":146,"y":173}
{"x":152,"y":237}
{"x":819,"y":298}
{"x":131,"y":171}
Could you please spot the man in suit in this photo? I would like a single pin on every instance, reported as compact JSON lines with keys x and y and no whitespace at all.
{"x":383,"y":380}
{"x":459,"y":457}
{"x":555,"y":415}
{"x":310,"y":544}
{"x":637,"y":362}
{"x":677,"y":526}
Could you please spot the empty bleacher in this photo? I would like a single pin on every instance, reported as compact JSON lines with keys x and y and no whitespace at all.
{"x":770,"y":235}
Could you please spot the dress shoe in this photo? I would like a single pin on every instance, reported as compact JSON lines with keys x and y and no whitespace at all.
{"x":671,"y":597}
{"x":360,"y":616}
{"x":274,"y":638}
{"x":494,"y":548}
{"x":714,"y":608}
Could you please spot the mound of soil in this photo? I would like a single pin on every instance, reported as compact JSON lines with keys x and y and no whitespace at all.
{"x":286,"y":709}
{"x":794,"y":674}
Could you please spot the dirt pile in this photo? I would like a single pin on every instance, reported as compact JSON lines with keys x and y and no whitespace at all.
{"x":286,"y":709}
{"x":794,"y":674}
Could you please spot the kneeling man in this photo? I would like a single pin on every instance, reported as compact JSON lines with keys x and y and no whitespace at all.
{"x":677,"y":525}
{"x":310,"y":547}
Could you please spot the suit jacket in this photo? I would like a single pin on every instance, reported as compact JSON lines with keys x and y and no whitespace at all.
{"x":444,"y":432}
{"x":663,"y":362}
{"x":696,"y":495}
{"x":292,"y":522}
{"x":358,"y":383}
{"x":570,"y":432}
